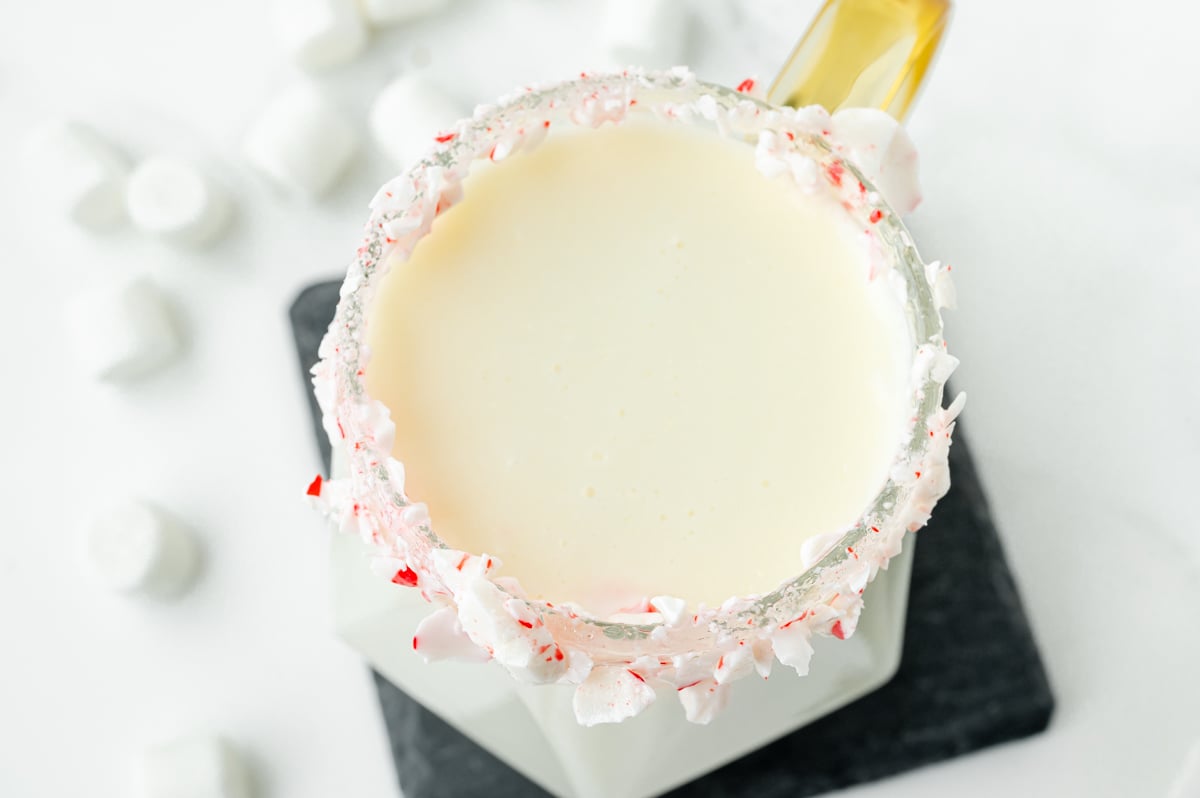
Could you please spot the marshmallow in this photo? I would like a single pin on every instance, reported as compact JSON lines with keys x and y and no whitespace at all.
{"x":301,"y":142}
{"x":406,"y":116}
{"x":194,"y":767}
{"x":138,"y":549}
{"x":390,"y":12}
{"x":1187,"y":780}
{"x":122,"y":332}
{"x":320,"y":33}
{"x":80,"y":174}
{"x":170,"y":198}
{"x":882,"y":150}
{"x":645,"y":32}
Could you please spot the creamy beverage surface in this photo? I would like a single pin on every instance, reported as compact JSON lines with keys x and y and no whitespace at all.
{"x":628,"y":364}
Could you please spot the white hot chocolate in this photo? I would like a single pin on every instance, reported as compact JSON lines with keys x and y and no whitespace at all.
{"x":629,"y":364}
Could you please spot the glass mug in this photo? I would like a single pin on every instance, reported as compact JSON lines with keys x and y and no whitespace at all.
{"x":532,"y":726}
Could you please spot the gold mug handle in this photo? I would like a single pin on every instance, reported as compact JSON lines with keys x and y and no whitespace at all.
{"x":863,"y":54}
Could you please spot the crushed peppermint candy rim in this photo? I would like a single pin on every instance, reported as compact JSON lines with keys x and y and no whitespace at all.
{"x":621,"y":664}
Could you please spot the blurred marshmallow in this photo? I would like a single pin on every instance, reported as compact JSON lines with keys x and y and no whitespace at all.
{"x":320,"y":33}
{"x":1187,"y":780}
{"x":407,"y":115}
{"x":882,"y":150}
{"x":645,"y":32}
{"x":301,"y":142}
{"x":137,"y":549}
{"x":174,"y":200}
{"x":122,"y":331}
{"x":194,"y":767}
{"x":78,"y":173}
{"x":390,"y":12}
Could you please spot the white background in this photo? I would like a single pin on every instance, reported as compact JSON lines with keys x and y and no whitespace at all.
{"x":1062,"y":176}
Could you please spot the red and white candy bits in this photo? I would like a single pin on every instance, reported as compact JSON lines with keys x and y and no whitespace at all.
{"x":617,"y":663}
{"x":882,"y":149}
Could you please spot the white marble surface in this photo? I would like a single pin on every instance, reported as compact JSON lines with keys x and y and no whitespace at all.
{"x":1062,"y":172}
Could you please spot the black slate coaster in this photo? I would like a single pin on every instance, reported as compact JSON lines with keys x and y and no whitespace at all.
{"x":970,"y":674}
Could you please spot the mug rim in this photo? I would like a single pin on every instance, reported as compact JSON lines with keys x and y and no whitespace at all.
{"x":826,"y":595}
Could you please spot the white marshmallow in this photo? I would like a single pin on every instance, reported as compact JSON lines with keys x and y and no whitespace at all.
{"x":883,"y":151}
{"x":194,"y":767}
{"x":390,"y":12}
{"x":123,"y":331}
{"x":320,"y":33}
{"x":78,"y":173}
{"x":172,"y":199}
{"x":645,"y":32}
{"x":1187,"y":780}
{"x":407,"y":115}
{"x":137,"y":549}
{"x":301,"y":142}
